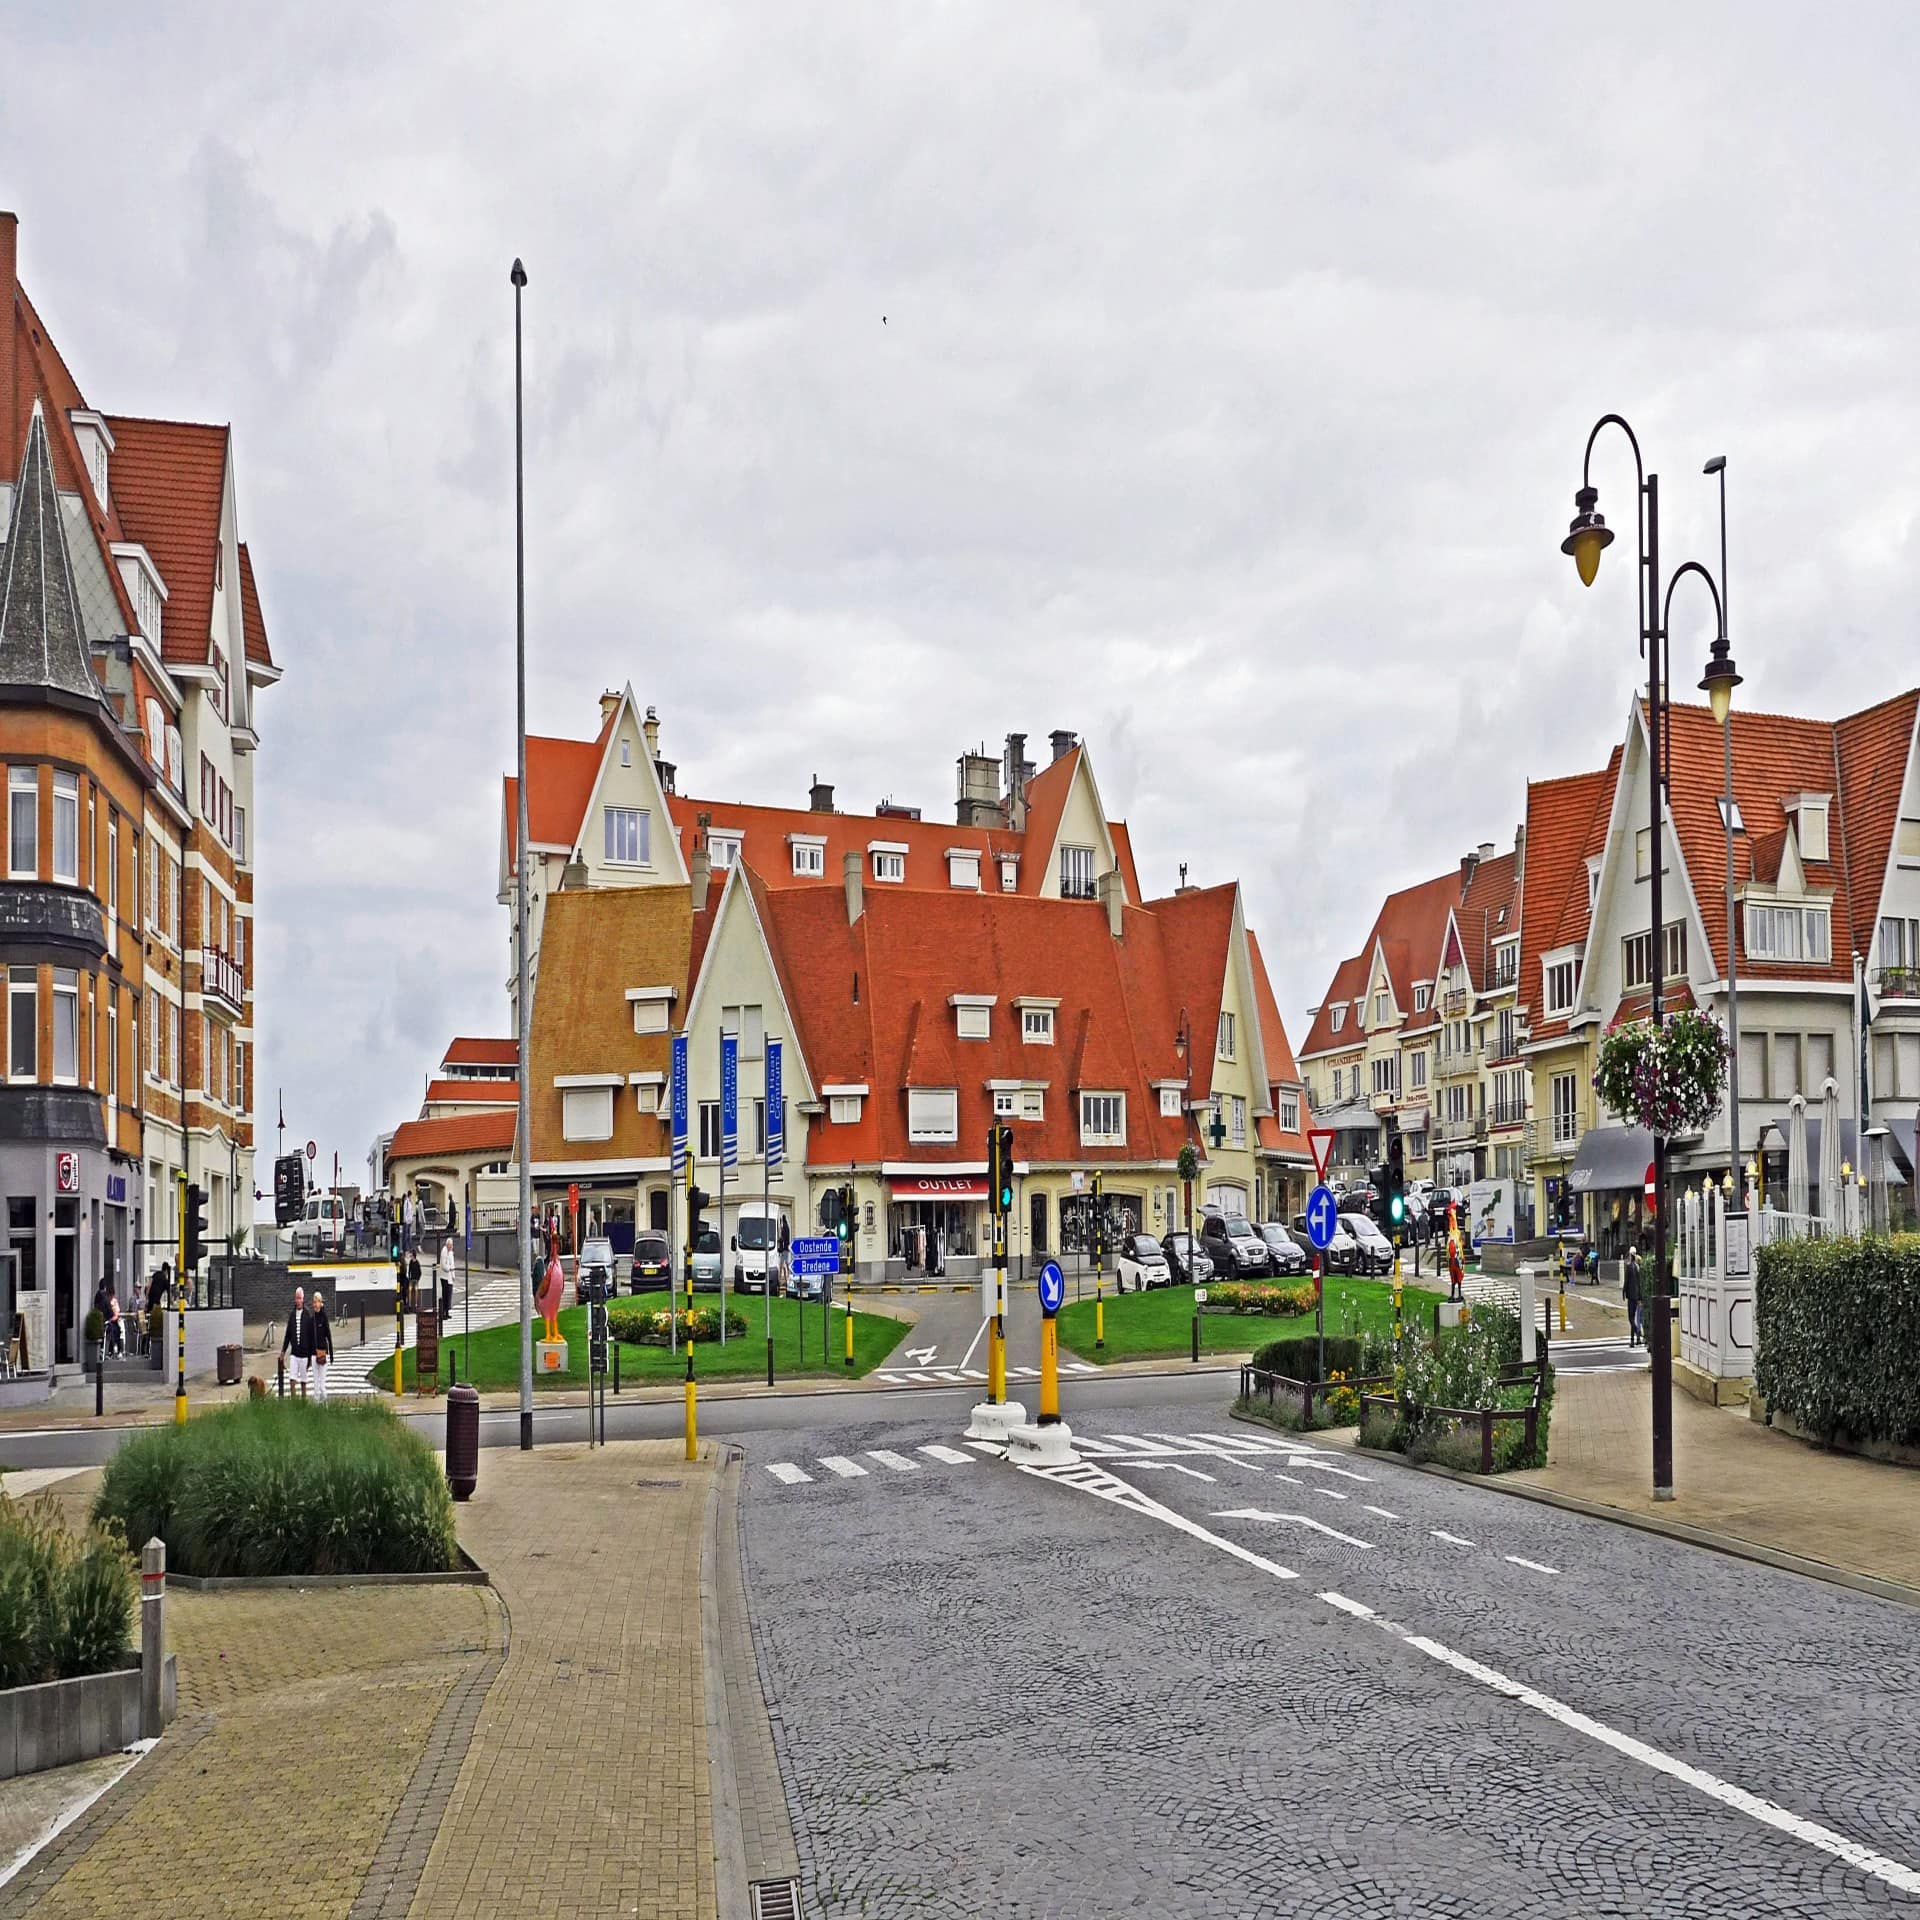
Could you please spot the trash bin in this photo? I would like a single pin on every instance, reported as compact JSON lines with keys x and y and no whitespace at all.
{"x":228,"y":1363}
{"x":463,"y":1441}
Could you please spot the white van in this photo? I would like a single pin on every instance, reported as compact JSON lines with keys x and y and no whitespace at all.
{"x":322,"y":1226}
{"x":756,"y":1246}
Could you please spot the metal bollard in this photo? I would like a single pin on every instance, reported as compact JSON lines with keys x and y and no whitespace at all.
{"x":463,"y":1441}
{"x":616,"y":1366}
{"x":153,"y":1638}
{"x":1196,"y":1336}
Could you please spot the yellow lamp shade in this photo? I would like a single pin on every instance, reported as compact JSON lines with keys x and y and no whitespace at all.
{"x":1587,"y":545}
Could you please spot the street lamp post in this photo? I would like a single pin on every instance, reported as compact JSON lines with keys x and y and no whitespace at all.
{"x":1587,"y":538}
{"x":522,"y":984}
{"x":1718,"y":685}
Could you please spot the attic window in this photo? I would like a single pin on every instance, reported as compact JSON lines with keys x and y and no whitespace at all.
{"x":651,"y":1008}
{"x":1009,"y":872}
{"x":843,"y":1103}
{"x":1739,"y":820}
{"x":1170,"y":1103}
{"x":972,"y":1013}
{"x":1337,"y":1017}
{"x":933,"y":1113}
{"x":1422,"y":999}
{"x":963,"y":868}
{"x":723,"y":849}
{"x":1813,"y":828}
{"x":1036,"y":1026}
{"x":809,"y":855}
{"x":626,"y":752}
{"x":889,"y":858}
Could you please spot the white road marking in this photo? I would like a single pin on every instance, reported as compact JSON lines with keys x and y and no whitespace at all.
{"x":1192,"y":1473}
{"x":921,"y":1356}
{"x":1298,"y":1519}
{"x":1327,"y":1466}
{"x":951,"y":1455}
{"x":987,"y":1446}
{"x":787,"y":1473}
{"x":971,"y":1373}
{"x":1452,"y":1539}
{"x":1327,"y":1493}
{"x":898,"y":1462}
{"x":1383,"y":1513}
{"x":1534,"y":1564}
{"x":948,"y":1374}
{"x":979,"y":1334}
{"x":1345,"y":1605}
{"x":1080,"y":1366}
{"x":845,"y":1468}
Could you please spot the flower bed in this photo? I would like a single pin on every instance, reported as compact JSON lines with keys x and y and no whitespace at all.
{"x":1465,"y":1400}
{"x":651,"y":1327}
{"x":1257,"y":1296}
{"x":284,"y":1487}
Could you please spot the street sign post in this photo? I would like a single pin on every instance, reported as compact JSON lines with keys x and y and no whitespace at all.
{"x":313,"y":1149}
{"x":815,"y":1258}
{"x":1323,"y":1218}
{"x":677,"y":1086}
{"x":1320,"y":1139}
{"x":1053,"y":1288}
{"x":1053,"y":1291}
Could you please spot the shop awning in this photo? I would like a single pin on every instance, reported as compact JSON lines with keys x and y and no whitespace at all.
{"x":939,"y":1186}
{"x":1611,"y":1158}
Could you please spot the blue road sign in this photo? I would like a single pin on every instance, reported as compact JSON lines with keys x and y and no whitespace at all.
{"x":679,"y":1104}
{"x":1053,"y":1288}
{"x":814,"y":1256}
{"x":729,"y":1101}
{"x":1323,"y":1217}
{"x":776,"y":1109}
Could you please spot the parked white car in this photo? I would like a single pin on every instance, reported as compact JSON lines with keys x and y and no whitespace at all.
{"x":322,"y":1226}
{"x":1142,"y":1263}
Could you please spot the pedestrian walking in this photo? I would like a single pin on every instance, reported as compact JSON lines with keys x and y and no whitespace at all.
{"x":447,"y":1267}
{"x":322,"y":1345}
{"x":413,"y":1281}
{"x":1630,"y":1291}
{"x":296,"y":1344}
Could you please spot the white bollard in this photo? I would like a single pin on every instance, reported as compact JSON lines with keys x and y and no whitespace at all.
{"x":1527,"y":1334}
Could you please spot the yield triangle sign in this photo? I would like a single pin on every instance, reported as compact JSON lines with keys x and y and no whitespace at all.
{"x":1320,"y":1139}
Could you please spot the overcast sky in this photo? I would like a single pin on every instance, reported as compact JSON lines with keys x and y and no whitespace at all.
{"x":1235,"y":369}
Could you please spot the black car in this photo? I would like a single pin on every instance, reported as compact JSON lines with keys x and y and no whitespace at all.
{"x":652,"y":1263}
{"x":1284,"y":1256}
{"x":1187,"y":1263}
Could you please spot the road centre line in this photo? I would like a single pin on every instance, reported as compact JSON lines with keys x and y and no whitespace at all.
{"x":1895,"y":1873}
{"x":1381,"y":1511}
{"x":1452,"y":1539}
{"x":1536,"y":1565}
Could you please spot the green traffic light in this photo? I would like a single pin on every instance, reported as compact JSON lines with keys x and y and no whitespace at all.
{"x":1399,"y":1209}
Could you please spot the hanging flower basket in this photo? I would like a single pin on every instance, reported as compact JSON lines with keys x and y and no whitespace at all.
{"x":1668,"y":1079}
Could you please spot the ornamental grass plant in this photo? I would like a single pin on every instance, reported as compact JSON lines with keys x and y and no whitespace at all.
{"x":284,"y":1487}
{"x":66,"y":1602}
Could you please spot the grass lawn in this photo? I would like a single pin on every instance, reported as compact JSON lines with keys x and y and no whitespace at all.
{"x":1142,"y":1326}
{"x":496,"y":1350}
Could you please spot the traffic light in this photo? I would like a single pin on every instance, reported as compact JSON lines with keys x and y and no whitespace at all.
{"x":393,"y":1239}
{"x":194,"y":1235}
{"x":1099,"y":1233}
{"x":1000,"y":1161}
{"x":698,"y":1201}
{"x":845,"y":1229}
{"x":1396,"y":1183}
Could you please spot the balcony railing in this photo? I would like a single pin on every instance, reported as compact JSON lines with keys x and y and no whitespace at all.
{"x":221,"y":979}
{"x":1899,"y":983}
{"x":1509,"y":1113}
{"x":1552,"y":1139}
{"x":1453,"y":1003}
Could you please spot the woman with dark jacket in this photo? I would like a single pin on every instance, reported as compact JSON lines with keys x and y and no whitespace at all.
{"x":1630,"y":1292}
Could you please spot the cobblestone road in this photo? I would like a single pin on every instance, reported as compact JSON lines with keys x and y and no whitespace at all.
{"x":997,"y":1693}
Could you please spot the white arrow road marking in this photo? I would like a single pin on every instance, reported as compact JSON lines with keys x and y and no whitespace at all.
{"x":1896,"y":1873}
{"x":898,"y":1462}
{"x":1299,"y":1520}
{"x":838,"y":1463}
{"x":951,"y":1455}
{"x":1452,"y":1539}
{"x":787,"y":1473}
{"x":920,"y":1356}
{"x":1534,"y":1564}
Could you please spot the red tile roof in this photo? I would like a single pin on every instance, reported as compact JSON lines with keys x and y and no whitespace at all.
{"x":1349,"y":983}
{"x":1282,"y":1071}
{"x":1407,"y":931}
{"x":1566,"y":821}
{"x":459,"y":1133}
{"x":560,"y":777}
{"x":167,"y":479}
{"x":258,"y":652}
{"x":1874,"y":750}
{"x":488,"y":1093}
{"x":1490,"y":911}
{"x":1047,"y":795}
{"x":467,"y":1051}
{"x":1195,"y":930}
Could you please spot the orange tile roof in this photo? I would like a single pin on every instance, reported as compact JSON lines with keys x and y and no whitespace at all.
{"x":489,"y":1093}
{"x":1282,"y":1071}
{"x":1123,"y":853}
{"x":256,"y":627}
{"x":1565,"y":817}
{"x":1407,"y":931}
{"x":458,"y":1133}
{"x":1047,"y":795}
{"x":1195,"y":929}
{"x":168,"y":478}
{"x":467,"y":1051}
{"x":1349,"y":983}
{"x":1490,"y":911}
{"x":560,"y":777}
{"x":1874,"y":749}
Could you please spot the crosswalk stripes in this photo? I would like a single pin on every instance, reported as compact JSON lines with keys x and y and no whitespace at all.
{"x":838,"y":1463}
{"x":956,"y":1376}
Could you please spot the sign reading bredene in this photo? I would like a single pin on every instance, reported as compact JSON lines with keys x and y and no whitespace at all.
{"x":1053,"y":1288}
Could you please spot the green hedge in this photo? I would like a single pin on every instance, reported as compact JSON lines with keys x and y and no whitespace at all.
{"x":1298,"y":1358}
{"x":66,"y":1604}
{"x":284,"y":1487}
{"x":1837,"y":1332}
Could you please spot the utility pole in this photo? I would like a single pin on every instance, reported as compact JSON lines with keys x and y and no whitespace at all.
{"x":523,"y":986}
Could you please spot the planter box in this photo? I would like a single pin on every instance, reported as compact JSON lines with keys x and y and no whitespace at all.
{"x":62,"y":1721}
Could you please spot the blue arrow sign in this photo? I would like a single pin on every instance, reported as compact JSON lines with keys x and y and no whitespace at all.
{"x":679,"y":1105}
{"x":1323,"y":1217}
{"x":729,"y":1100}
{"x":1053,"y":1288}
{"x":776,"y":1109}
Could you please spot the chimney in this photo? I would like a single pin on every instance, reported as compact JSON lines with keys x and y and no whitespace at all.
{"x":1485,"y":852}
{"x":1016,"y":772}
{"x":1114,"y":894}
{"x":1468,"y":862}
{"x":700,"y":868}
{"x":978,"y":802}
{"x":650,"y":726}
{"x":820,"y":796}
{"x":1062,"y":742}
{"x":608,"y":701}
{"x":856,"y":888}
{"x":10,"y":433}
{"x":574,"y":873}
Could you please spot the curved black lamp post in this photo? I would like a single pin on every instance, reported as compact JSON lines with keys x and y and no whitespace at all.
{"x":1587,"y":538}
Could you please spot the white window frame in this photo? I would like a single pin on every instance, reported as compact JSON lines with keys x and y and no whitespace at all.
{"x":626,"y":837}
{"x":809,"y":857}
{"x":843,"y":1109}
{"x":1417,"y":1078}
{"x":626,"y":750}
{"x":1422,"y":999}
{"x":972,"y":1021}
{"x":1223,"y":1045}
{"x":652,"y":1008}
{"x":1103,"y":1119}
{"x":708,"y":1123}
{"x":963,"y":870}
{"x":23,"y":785}
{"x":66,"y":1009}
{"x":1033,"y":1103}
{"x":1237,"y":1125}
{"x":1076,"y":874}
{"x":1009,"y":873}
{"x":1564,"y":973}
{"x":888,"y":864}
{"x":586,"y":1113}
{"x":1036,"y":1026}
{"x":23,"y":983}
{"x":1170,"y":1103}
{"x":1289,"y":1113}
{"x":66,"y":809}
{"x":723,"y":850}
{"x":933,"y":1113}
{"x":1382,"y":1009}
{"x":1565,"y":1111}
{"x":1813,"y":823}
{"x":1006,"y":1103}
{"x":1765,"y":920}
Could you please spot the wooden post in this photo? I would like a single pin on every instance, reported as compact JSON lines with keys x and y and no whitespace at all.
{"x":153,"y":1637}
{"x":1486,"y":1439}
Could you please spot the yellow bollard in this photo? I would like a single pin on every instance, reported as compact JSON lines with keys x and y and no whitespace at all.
{"x":693,"y":1422}
{"x":1563,"y":1310}
{"x":1049,"y":1372}
{"x":996,"y":1364}
{"x":1099,"y":1320}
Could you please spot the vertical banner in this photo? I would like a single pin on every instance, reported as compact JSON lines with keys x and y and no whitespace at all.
{"x":729,"y":1100}
{"x":679,"y":1104}
{"x":776,"y":1109}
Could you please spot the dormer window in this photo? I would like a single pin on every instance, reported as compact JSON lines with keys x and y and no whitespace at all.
{"x":1810,"y":824}
{"x":723,"y":849}
{"x":889,"y":860}
{"x":652,"y":1007}
{"x":95,"y":439}
{"x":843,"y":1102}
{"x":1009,"y":872}
{"x":933,"y":1113}
{"x":1337,"y":1017}
{"x":972,"y":1015}
{"x":1422,"y":999}
{"x":1169,"y":1101}
{"x":1036,"y":1021}
{"x":963,"y":868}
{"x":809,"y":855}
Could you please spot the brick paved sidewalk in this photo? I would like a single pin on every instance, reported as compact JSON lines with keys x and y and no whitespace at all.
{"x":586,"y":1787}
{"x":1731,"y":1476}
